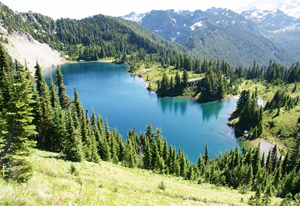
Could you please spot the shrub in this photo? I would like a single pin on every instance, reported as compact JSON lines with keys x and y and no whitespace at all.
{"x":162,"y":185}
{"x":73,"y":170}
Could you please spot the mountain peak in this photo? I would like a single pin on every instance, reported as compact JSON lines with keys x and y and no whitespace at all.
{"x":134,"y":16}
{"x":289,"y":7}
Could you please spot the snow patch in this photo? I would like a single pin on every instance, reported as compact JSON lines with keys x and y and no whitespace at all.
{"x":197,"y":24}
{"x":289,"y":7}
{"x":174,"y":21}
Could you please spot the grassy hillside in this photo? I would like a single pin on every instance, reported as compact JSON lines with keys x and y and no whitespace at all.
{"x":109,"y":184}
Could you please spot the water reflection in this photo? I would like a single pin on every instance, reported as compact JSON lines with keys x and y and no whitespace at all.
{"x":211,"y":109}
{"x":171,"y":104}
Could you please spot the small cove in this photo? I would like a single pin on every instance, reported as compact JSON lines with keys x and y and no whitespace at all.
{"x":126,"y":103}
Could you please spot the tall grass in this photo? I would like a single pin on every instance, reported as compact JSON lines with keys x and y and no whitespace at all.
{"x":53,"y":183}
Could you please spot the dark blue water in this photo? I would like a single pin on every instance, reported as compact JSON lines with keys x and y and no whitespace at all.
{"x":126,"y":103}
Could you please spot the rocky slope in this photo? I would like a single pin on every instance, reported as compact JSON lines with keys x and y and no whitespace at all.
{"x":25,"y":49}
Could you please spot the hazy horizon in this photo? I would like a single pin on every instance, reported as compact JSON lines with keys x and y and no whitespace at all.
{"x":76,"y":10}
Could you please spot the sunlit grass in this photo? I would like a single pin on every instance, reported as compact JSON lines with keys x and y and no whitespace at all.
{"x":109,"y":184}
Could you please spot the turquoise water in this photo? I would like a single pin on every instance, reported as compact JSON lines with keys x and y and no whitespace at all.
{"x":126,"y":103}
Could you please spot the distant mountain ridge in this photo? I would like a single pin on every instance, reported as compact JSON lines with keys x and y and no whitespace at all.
{"x":289,"y":7}
{"x":277,"y":26}
{"x":214,"y":33}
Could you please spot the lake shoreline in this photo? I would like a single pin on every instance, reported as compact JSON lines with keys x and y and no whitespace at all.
{"x":147,"y":84}
{"x":74,"y":62}
{"x":265,"y":146}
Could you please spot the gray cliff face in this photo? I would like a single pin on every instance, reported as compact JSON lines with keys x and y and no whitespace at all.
{"x":166,"y":24}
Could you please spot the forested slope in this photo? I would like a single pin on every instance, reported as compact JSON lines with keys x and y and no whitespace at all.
{"x":90,"y":38}
{"x":239,"y":47}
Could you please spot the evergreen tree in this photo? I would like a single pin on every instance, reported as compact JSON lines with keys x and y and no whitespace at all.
{"x":206,"y":155}
{"x":183,"y":166}
{"x":177,"y":87}
{"x":72,"y":146}
{"x":199,"y":161}
{"x":190,"y":172}
{"x":114,"y":146}
{"x":159,"y":141}
{"x":58,"y":128}
{"x":160,"y":164}
{"x":256,"y":162}
{"x":128,"y":158}
{"x":5,"y":77}
{"x":164,"y":85}
{"x":107,"y":134}
{"x":147,"y":155}
{"x":165,"y":151}
{"x":94,"y":156}
{"x":263,"y":161}
{"x":185,"y":78}
{"x":221,"y":90}
{"x":256,"y":199}
{"x":104,"y":150}
{"x":77,"y":105}
{"x":53,"y":93}
{"x":43,"y":111}
{"x":244,"y":98}
{"x":85,"y":137}
{"x":154,"y":155}
{"x":149,"y":132}
{"x":170,"y":160}
{"x":277,"y":176}
{"x":249,"y":176}
{"x":18,"y":127}
{"x":64,"y":100}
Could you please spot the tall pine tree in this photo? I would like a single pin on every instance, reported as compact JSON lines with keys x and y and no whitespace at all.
{"x":64,"y":100}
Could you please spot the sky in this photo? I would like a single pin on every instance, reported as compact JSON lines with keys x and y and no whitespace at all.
{"x":78,"y":9}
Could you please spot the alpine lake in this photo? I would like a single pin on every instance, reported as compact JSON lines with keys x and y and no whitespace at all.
{"x":126,"y":103}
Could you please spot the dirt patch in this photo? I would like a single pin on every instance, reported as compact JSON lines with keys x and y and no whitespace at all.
{"x":206,"y":203}
{"x":265,"y":146}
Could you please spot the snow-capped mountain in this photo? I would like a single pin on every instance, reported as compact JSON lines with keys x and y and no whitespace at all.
{"x":205,"y":31}
{"x":289,"y":7}
{"x":272,"y":19}
{"x":279,"y":27}
{"x":134,"y":16}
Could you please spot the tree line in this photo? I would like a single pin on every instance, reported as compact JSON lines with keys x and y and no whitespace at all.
{"x":221,"y":79}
